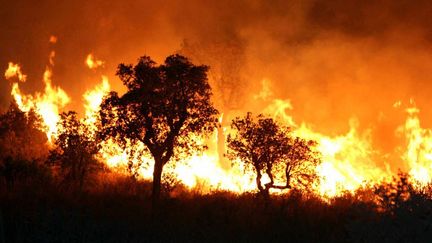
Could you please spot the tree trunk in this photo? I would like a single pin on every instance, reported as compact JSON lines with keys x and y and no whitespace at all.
{"x":81,"y":181}
{"x":263,"y":191}
{"x":258,"y":182}
{"x":157,"y":174}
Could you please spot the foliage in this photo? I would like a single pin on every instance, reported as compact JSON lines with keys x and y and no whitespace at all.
{"x":267,"y":146}
{"x":22,"y":146}
{"x":21,"y":134}
{"x":74,"y":152}
{"x":392,"y":195}
{"x":164,"y":107}
{"x":404,"y":214}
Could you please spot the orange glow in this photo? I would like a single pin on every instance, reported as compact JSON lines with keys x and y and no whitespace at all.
{"x":348,"y":160}
{"x":53,"y":39}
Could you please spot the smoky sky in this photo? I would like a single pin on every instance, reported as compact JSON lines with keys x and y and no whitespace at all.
{"x":333,"y":60}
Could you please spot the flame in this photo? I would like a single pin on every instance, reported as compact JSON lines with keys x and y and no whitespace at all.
{"x":111,"y":152}
{"x":93,"y":99}
{"x":348,"y":160}
{"x":14,"y":70}
{"x":92,"y":62}
{"x":47,"y":104}
{"x":205,"y":170}
{"x":418,"y":153}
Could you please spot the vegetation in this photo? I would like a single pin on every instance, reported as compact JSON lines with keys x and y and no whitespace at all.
{"x":23,"y":148}
{"x":113,"y":214}
{"x":164,"y":107}
{"x":60,"y":192}
{"x":74,"y":152}
{"x":266,"y":145}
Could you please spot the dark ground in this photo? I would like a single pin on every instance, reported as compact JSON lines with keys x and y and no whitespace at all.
{"x":30,"y":214}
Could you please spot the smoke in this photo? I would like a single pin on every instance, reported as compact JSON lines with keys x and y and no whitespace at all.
{"x":334,"y":60}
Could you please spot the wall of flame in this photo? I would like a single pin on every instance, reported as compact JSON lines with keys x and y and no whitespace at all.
{"x":350,"y":159}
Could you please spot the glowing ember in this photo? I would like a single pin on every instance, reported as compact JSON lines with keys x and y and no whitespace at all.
{"x":53,"y":39}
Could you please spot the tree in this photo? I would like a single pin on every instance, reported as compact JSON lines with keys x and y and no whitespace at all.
{"x":300,"y":162}
{"x":75,"y":151}
{"x":268,"y":147}
{"x":164,"y":107}
{"x":22,"y":145}
{"x":21,"y":134}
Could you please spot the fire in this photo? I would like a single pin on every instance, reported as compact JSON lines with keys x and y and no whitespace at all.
{"x":111,"y":152}
{"x":14,"y":70}
{"x":205,"y":170}
{"x":92,"y":62}
{"x":419,"y":146}
{"x":46,"y":104}
{"x":93,"y":99}
{"x":348,"y":160}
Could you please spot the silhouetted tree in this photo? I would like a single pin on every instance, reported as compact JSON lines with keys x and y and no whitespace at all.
{"x":164,"y":107}
{"x":21,"y":133}
{"x":75,"y":151}
{"x":300,"y":163}
{"x":22,"y":144}
{"x":269,"y":149}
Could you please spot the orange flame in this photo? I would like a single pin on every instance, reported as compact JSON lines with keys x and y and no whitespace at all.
{"x":418,"y":153}
{"x":14,"y":70}
{"x":47,"y":104}
{"x":92,"y":62}
{"x":348,"y":160}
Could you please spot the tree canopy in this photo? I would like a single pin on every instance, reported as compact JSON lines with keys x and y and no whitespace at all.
{"x":75,"y":151}
{"x":165,"y":107}
{"x":267,"y":146}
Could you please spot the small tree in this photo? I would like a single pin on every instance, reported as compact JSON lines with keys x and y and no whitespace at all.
{"x":267,"y":147}
{"x":300,"y":162}
{"x":21,"y":134}
{"x":22,"y":145}
{"x":163,"y":108}
{"x":74,"y":152}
